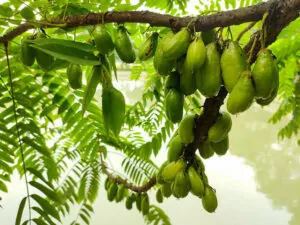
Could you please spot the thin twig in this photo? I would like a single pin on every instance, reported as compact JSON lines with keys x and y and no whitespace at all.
{"x":245,"y":30}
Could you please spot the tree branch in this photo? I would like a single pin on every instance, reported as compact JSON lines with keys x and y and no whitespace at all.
{"x":202,"y":23}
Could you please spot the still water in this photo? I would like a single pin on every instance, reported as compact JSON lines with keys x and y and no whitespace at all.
{"x":257,"y":182}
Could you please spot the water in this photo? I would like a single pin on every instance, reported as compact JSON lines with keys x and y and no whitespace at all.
{"x":257,"y":182}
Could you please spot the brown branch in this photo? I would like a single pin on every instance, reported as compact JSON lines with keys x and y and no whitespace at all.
{"x":202,"y":23}
{"x":116,"y":179}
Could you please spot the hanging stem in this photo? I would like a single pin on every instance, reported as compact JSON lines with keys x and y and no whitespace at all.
{"x":263,"y":31}
{"x":17,"y":127}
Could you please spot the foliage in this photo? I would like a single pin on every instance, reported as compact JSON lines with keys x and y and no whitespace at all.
{"x":54,"y":146}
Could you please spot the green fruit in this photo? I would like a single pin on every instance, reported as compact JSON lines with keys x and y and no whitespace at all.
{"x":138,"y":201}
{"x":162,"y":65}
{"x":174,"y":105}
{"x":167,"y":190}
{"x":233,"y":63}
{"x":196,"y":55}
{"x":173,"y":81}
{"x":220,"y":129}
{"x":107,"y":183}
{"x":178,"y":44}
{"x":208,"y":36}
{"x":170,"y":171}
{"x":27,"y":52}
{"x":204,"y":179}
{"x":199,"y":164}
{"x":197,"y":186}
{"x":208,"y":78}
{"x":129,"y":202}
{"x":145,"y":205}
{"x":186,"y":129}
{"x":113,"y":109}
{"x":159,"y":178}
{"x":124,"y":46}
{"x":103,"y":40}
{"x":209,"y":200}
{"x":121,"y":193}
{"x":74,"y":74}
{"x":206,"y":151}
{"x":265,"y":74}
{"x":112,"y":192}
{"x":27,"y":13}
{"x":179,"y":63}
{"x":221,"y":147}
{"x":242,"y":95}
{"x":187,"y":80}
{"x":147,"y":48}
{"x":181,"y":185}
{"x":159,"y":196}
{"x":175,"y":149}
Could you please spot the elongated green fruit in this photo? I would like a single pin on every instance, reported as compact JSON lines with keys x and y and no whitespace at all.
{"x":27,"y":52}
{"x":145,"y":205}
{"x":199,"y":165}
{"x":170,"y":171}
{"x":233,"y":63}
{"x":129,"y":202}
{"x":174,"y":105}
{"x":173,"y":81}
{"x":162,"y":65}
{"x":208,"y":36}
{"x":107,"y":183}
{"x":124,"y":46}
{"x":147,"y":48}
{"x":175,"y":149}
{"x":103,"y":40}
{"x":159,"y":178}
{"x":181,"y":185}
{"x":242,"y":95}
{"x":206,"y":151}
{"x":159,"y":196}
{"x":265,"y":74}
{"x":221,"y":147}
{"x":186,"y":129}
{"x":121,"y":193}
{"x":112,"y":192}
{"x":220,"y":128}
{"x":196,"y":54}
{"x":113,"y":109}
{"x":209,"y":200}
{"x":187,"y":80}
{"x":197,"y":186}
{"x":208,"y":78}
{"x":178,"y":44}
{"x":138,"y":201}
{"x":74,"y":74}
{"x":167,"y":189}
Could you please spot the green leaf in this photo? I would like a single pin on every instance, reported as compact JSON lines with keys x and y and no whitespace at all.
{"x":71,"y":54}
{"x":3,"y":186}
{"x":43,"y":150}
{"x":6,"y":11}
{"x":84,"y":218}
{"x":39,"y":221}
{"x":47,"y":191}
{"x":20,"y":211}
{"x":43,"y":215}
{"x":38,"y":174}
{"x":46,"y":206}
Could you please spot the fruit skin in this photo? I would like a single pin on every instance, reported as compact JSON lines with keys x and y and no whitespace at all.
{"x":145,"y":204}
{"x":209,"y":200}
{"x":177,"y":45}
{"x":112,"y":192}
{"x":167,"y":190}
{"x":74,"y":74}
{"x":175,"y":149}
{"x":197,"y":186}
{"x":129,"y":201}
{"x":199,"y":164}
{"x":174,"y":105}
{"x":207,"y":36}
{"x":233,"y":63}
{"x":242,"y":95}
{"x":206,"y":151}
{"x":147,"y":48}
{"x":170,"y":171}
{"x":181,"y":186}
{"x":173,"y":81}
{"x":159,"y":196}
{"x":103,"y":40}
{"x":159,"y":178}
{"x":107,"y":183}
{"x":27,"y":52}
{"x":220,"y":128}
{"x":221,"y":147}
{"x":121,"y":193}
{"x":196,"y":54}
{"x":113,"y":109}
{"x":208,"y":78}
{"x":27,"y":13}
{"x":124,"y":46}
{"x":187,"y":80}
{"x":162,"y":65}
{"x":138,"y":201}
{"x":265,"y":74}
{"x":186,"y":129}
